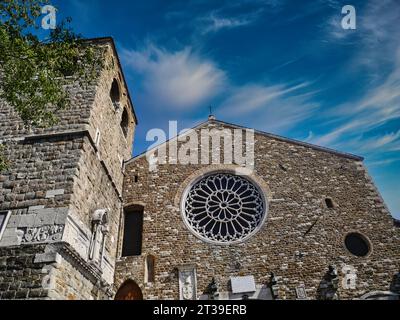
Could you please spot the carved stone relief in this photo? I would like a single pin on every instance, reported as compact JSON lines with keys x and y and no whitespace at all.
{"x":43,"y":234}
{"x":187,"y":283}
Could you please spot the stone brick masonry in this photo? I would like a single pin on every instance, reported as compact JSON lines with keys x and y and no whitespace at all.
{"x":299,"y":240}
{"x":67,"y":187}
{"x":62,"y":179}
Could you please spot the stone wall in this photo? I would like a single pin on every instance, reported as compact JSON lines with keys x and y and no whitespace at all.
{"x":93,"y":189}
{"x":299,"y":240}
{"x":39,"y":167}
{"x":75,"y":117}
{"x":39,"y":184}
{"x":50,"y":272}
{"x":20,"y":276}
{"x":59,"y":177}
{"x":105,"y":119}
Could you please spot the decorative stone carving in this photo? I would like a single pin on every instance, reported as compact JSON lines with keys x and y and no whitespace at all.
{"x":223,"y":208}
{"x":212,"y":290}
{"x":349,"y":281}
{"x":274,"y":287}
{"x":99,"y":232}
{"x":43,"y":234}
{"x":187,"y":283}
{"x":328,"y":288}
{"x":333,"y":277}
{"x":77,"y":235}
{"x":301,"y":292}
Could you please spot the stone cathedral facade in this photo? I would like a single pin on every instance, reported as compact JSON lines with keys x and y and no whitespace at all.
{"x":81,"y":219}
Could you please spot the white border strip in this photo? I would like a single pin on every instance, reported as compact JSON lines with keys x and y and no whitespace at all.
{"x":5,"y":222}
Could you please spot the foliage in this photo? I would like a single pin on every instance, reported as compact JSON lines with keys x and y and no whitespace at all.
{"x":3,"y":160}
{"x":35,"y":67}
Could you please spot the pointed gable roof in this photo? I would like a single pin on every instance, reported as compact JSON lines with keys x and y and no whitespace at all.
{"x":266,"y":134}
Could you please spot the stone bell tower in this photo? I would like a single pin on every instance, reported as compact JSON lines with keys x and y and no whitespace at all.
{"x":61,"y":198}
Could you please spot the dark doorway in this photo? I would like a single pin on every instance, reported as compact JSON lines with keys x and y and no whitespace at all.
{"x":129,"y":291}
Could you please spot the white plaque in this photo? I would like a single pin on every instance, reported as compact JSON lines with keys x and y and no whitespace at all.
{"x":243,"y":284}
{"x":301,"y":293}
{"x":187,"y":283}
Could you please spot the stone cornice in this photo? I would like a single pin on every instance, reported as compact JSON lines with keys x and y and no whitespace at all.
{"x":90,"y":271}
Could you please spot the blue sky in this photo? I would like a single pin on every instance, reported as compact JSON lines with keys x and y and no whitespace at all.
{"x":285,"y":67}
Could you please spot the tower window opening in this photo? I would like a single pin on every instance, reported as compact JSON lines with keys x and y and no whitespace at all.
{"x":133,"y":232}
{"x":329,"y":203}
{"x":115,"y":93}
{"x":125,"y":123}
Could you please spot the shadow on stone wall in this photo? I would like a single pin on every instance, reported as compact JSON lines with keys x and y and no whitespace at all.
{"x":395,"y":284}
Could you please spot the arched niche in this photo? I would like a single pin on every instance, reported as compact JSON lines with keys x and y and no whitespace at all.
{"x":150,"y":269}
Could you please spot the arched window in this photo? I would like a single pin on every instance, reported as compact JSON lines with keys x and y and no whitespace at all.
{"x":115,"y":93}
{"x":150,"y":268}
{"x":125,"y":123}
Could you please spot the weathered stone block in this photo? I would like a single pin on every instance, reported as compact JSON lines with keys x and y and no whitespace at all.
{"x":51,"y":257}
{"x":37,"y":293}
{"x":10,"y":232}
{"x":22,"y":294}
{"x":14,"y":221}
{"x":35,"y":208}
{"x":8,"y":295}
{"x":45,"y":217}
{"x":61,"y":216}
{"x":27,"y":221}
{"x":53,"y":193}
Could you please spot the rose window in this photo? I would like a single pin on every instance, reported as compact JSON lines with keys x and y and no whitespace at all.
{"x":224,"y":208}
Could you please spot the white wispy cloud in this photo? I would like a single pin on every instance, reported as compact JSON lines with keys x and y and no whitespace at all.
{"x":215,"y":23}
{"x":224,"y":15}
{"x":252,"y":97}
{"x":285,"y":64}
{"x":375,"y":145}
{"x":274,"y":108}
{"x":376,"y":35}
{"x":377,"y":40}
{"x":380,"y":163}
{"x":184,"y":80}
{"x":385,"y":142}
{"x":222,"y":18}
{"x":379,"y":106}
{"x":176,"y":79}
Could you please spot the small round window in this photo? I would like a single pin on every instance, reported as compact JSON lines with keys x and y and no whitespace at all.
{"x":357,"y":244}
{"x":224,"y":208}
